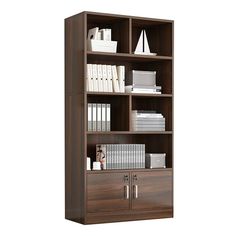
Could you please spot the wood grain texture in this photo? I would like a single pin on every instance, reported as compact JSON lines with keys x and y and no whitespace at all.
{"x":74,"y":119}
{"x":107,"y":192}
{"x":154,"y":190}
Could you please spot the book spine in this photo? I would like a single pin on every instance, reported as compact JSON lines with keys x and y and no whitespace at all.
{"x":103,"y":122}
{"x":99,"y":117}
{"x":94,"y":116}
{"x":90,"y":117}
{"x":108,"y":120}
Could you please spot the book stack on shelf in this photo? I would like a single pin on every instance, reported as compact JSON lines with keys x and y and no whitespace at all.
{"x":147,"y":121}
{"x":99,"y":117}
{"x":121,"y":156}
{"x":143,"y":82}
{"x":105,"y":78}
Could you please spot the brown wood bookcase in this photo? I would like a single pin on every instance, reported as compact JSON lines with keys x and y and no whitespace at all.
{"x":98,"y":196}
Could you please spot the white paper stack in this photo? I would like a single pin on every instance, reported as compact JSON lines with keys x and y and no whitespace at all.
{"x":147,"y":121}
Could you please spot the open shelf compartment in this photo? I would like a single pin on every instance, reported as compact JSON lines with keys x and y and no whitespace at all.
{"x":154,"y":143}
{"x":118,"y":25}
{"x":159,"y":35}
{"x":119,"y":109}
{"x":163,"y":69}
{"x":161,"y":105}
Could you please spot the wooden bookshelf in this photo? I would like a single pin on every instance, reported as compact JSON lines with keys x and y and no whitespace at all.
{"x":102,"y":196}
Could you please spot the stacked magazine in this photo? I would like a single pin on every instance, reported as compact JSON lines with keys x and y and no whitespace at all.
{"x":147,"y":121}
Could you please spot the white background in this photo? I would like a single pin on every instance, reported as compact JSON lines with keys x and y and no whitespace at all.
{"x":32,"y":117}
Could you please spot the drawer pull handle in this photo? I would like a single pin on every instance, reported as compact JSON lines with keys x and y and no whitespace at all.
{"x":135,"y":191}
{"x":126,"y":191}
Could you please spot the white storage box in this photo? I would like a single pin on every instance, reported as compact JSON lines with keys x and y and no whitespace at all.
{"x":102,"y":46}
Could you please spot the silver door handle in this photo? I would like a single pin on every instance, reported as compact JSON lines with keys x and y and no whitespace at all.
{"x":135,"y":191}
{"x":126,"y":191}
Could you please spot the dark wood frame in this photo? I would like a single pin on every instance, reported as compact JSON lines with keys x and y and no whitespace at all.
{"x":79,"y":143}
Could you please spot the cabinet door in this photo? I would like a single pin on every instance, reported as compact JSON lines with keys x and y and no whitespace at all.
{"x":152,"y":190}
{"x":108,"y":192}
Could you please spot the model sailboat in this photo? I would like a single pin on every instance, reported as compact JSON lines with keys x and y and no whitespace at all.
{"x":142,"y":47}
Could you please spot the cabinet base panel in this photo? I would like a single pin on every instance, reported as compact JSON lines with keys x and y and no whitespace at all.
{"x":95,"y":218}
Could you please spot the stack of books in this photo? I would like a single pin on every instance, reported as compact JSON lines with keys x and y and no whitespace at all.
{"x":105,"y":78}
{"x":143,"y":89}
{"x":99,"y":117}
{"x":147,"y":121}
{"x":121,"y":156}
{"x":143,"y":82}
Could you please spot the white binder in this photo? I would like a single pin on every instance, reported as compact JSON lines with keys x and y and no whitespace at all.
{"x":95,"y":77}
{"x":108,"y":117}
{"x":109,"y":78}
{"x":104,"y":77}
{"x":94,"y":116}
{"x":89,"y":78}
{"x":90,"y":117}
{"x":103,"y":117}
{"x":121,"y":78}
{"x":115,"y":81}
{"x":100,"y":78}
{"x":99,"y":117}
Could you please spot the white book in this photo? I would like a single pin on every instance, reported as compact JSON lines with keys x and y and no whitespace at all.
{"x":90,"y":127}
{"x":103,"y":117}
{"x":99,"y":117}
{"x":99,"y":35}
{"x":108,"y":117}
{"x":104,"y":77}
{"x":95,"y":77}
{"x":115,"y":81}
{"x":109,"y":78}
{"x":121,"y":78}
{"x":94,"y":116}
{"x":89,"y":78}
{"x":106,"y":34}
{"x":100,"y":78}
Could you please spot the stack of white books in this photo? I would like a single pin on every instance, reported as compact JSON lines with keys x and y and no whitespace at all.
{"x":99,"y":117}
{"x":147,"y":121}
{"x":121,"y":156}
{"x":105,"y":78}
{"x":143,"y":89}
{"x":143,"y":82}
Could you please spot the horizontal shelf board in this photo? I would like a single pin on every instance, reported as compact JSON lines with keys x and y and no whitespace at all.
{"x":108,"y":93}
{"x":128,"y":56}
{"x":129,"y":132}
{"x":130,"y":94}
{"x":126,"y":170}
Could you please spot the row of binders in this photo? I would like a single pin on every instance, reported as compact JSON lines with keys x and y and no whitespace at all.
{"x":105,"y":78}
{"x":99,"y":117}
{"x":121,"y":156}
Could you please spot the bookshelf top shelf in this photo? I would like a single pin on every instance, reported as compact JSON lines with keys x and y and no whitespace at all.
{"x":128,"y":56}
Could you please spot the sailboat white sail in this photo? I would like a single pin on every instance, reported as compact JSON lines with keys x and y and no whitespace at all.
{"x":142,"y":47}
